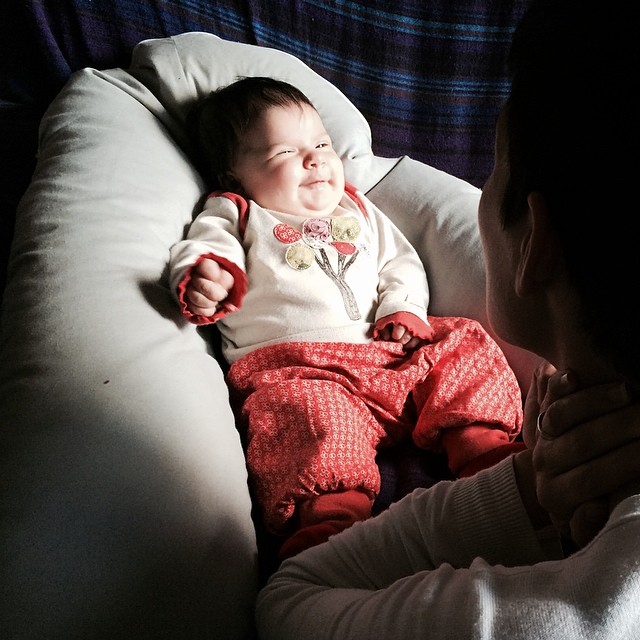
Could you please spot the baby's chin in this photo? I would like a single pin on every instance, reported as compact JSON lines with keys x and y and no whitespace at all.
{"x":318,"y":208}
{"x":318,"y":212}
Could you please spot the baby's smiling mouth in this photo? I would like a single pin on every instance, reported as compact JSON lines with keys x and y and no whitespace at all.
{"x":316,"y":183}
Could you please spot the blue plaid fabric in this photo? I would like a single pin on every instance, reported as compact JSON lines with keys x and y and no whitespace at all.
{"x":428,"y":76}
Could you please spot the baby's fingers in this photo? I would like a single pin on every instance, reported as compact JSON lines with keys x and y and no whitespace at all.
{"x":202,"y":291}
{"x":211,"y":270}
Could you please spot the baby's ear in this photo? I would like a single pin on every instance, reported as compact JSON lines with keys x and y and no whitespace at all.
{"x":229,"y":182}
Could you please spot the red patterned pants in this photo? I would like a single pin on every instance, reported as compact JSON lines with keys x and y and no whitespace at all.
{"x":317,"y":412}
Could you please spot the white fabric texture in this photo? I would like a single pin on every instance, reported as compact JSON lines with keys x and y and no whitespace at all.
{"x":459,"y":560}
{"x":125,"y":476}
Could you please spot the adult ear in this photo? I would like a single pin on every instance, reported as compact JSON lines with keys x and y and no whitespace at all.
{"x":539,"y":249}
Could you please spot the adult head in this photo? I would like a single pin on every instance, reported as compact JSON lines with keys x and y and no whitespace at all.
{"x":556,"y":214}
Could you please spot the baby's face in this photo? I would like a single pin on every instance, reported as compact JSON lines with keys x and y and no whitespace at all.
{"x":286,"y":163}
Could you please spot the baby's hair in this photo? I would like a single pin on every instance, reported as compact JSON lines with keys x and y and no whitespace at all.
{"x":219,"y":122}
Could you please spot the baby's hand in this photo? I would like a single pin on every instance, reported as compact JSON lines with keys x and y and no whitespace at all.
{"x":209,"y":285}
{"x":399,"y":333}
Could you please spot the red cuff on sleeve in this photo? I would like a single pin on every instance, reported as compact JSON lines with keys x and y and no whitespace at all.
{"x":231,"y":303}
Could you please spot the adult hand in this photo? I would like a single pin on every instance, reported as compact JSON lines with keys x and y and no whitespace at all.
{"x":585,"y":453}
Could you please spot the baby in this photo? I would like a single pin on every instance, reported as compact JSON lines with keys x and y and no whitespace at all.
{"x":322,"y":304}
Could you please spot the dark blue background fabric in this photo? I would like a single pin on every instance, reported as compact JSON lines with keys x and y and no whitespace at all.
{"x":428,"y":76}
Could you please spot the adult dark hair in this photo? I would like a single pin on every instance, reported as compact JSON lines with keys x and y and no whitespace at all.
{"x":219,"y":122}
{"x":572,"y":125}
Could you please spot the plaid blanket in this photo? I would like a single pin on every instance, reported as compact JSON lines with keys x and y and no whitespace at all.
{"x":428,"y":76}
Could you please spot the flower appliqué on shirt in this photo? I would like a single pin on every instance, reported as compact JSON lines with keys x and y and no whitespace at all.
{"x":309,"y":246}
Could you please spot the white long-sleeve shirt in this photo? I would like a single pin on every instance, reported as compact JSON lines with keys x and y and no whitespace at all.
{"x":459,"y":561}
{"x":321,"y":280}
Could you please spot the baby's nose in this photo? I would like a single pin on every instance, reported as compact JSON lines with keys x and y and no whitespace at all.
{"x":314,"y":159}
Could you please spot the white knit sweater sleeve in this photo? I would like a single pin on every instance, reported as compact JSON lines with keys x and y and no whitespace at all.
{"x":416,"y":571}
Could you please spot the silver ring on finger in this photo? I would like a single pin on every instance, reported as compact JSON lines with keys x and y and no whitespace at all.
{"x":543,"y":434}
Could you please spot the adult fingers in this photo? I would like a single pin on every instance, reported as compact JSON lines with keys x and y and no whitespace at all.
{"x":536,"y":401}
{"x":587,"y":520}
{"x":598,"y":477}
{"x":586,"y":441}
{"x":567,"y":410}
